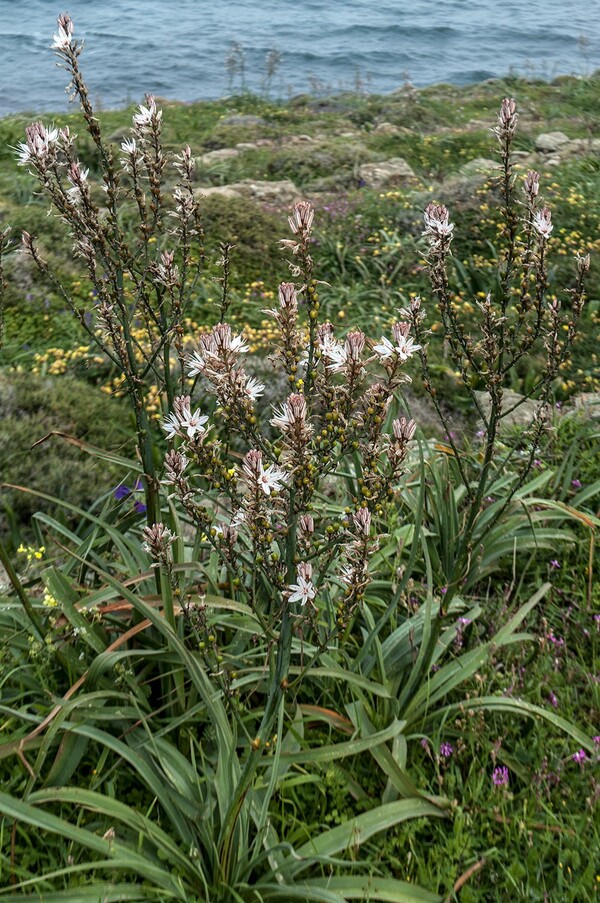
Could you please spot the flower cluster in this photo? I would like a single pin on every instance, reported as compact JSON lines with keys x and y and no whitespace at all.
{"x":266,"y":527}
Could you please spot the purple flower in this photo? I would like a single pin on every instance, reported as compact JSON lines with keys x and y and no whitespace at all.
{"x":580,"y":756}
{"x":555,"y":564}
{"x":500,"y":776}
{"x":576,"y":484}
{"x":121,"y":492}
{"x":424,"y":742}
{"x":446,"y":750}
{"x":139,"y":507}
{"x":596,"y":739}
{"x":553,"y":699}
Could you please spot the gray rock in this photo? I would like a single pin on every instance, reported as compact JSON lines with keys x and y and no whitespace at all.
{"x":550,"y":142}
{"x":387,"y":172}
{"x":386,"y":128}
{"x":246,"y":145}
{"x":297,"y":139}
{"x":243,"y":119}
{"x":218,"y":156}
{"x":520,"y":417}
{"x":280,"y":194}
{"x":580,"y":147}
{"x":588,"y":404}
{"x":221,"y":191}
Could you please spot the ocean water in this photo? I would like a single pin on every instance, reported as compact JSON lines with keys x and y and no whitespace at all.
{"x":178,"y":49}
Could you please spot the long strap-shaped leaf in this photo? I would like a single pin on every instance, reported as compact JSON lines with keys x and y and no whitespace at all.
{"x":356,"y":831}
{"x":46,"y":821}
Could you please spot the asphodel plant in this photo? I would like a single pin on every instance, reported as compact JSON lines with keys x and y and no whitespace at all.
{"x":258,"y":499}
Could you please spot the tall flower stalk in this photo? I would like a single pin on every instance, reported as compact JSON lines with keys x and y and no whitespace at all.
{"x":142,"y":283}
{"x":515,"y":320}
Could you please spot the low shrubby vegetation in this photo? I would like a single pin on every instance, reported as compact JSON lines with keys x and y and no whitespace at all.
{"x":299,"y":593}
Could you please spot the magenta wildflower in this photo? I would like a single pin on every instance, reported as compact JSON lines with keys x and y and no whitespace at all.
{"x":576,"y":484}
{"x":500,"y":776}
{"x":446,"y":750}
{"x":580,"y":756}
{"x":553,"y":699}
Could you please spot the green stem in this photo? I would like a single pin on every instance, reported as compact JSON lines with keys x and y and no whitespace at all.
{"x":22,"y":595}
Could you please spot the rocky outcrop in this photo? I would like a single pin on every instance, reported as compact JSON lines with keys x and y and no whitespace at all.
{"x":387,"y":172}
{"x":587,"y":404}
{"x":278,"y":194}
{"x":218,"y":156}
{"x":550,"y":142}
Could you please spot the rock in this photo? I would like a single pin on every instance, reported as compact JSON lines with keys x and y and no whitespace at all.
{"x":246,"y":145}
{"x":297,"y":139}
{"x":588,"y":404}
{"x":520,"y":417}
{"x":222,"y":191}
{"x":580,"y":147}
{"x":550,"y":142}
{"x":386,"y":172}
{"x":244,"y":119}
{"x":386,"y":128}
{"x":280,"y":194}
{"x":218,"y":156}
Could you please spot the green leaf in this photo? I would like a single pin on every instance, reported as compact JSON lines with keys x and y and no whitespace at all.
{"x":357,"y":830}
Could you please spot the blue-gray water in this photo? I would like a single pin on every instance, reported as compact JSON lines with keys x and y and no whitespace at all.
{"x":177,"y":49}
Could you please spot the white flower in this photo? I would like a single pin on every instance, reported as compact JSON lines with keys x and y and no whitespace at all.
{"x":198,"y":364}
{"x":75,"y":176}
{"x":253,"y":388}
{"x":183,"y":419}
{"x":404,"y":348}
{"x":194,"y":423}
{"x":239,"y":345}
{"x":304,"y":590}
{"x":542,"y":221}
{"x":146,"y":115}
{"x":129,"y":146}
{"x":62,"y":39}
{"x":39,"y":141}
{"x":272,"y":479}
{"x":337,"y":355}
{"x":385,"y":349}
{"x":171,"y":426}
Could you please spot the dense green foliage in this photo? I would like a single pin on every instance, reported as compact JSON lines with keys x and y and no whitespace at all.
{"x":125,"y":737}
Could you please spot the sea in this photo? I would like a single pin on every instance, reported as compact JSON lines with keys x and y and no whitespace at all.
{"x":202,"y":49}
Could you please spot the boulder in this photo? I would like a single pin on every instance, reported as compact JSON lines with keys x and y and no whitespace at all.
{"x":588,"y":404}
{"x":550,"y":142}
{"x":279,"y":194}
{"x":520,"y":417}
{"x":282,"y":193}
{"x":244,"y":119}
{"x":387,"y":172}
{"x":218,"y":156}
{"x":297,"y":139}
{"x":386,"y":128}
{"x":221,"y":191}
